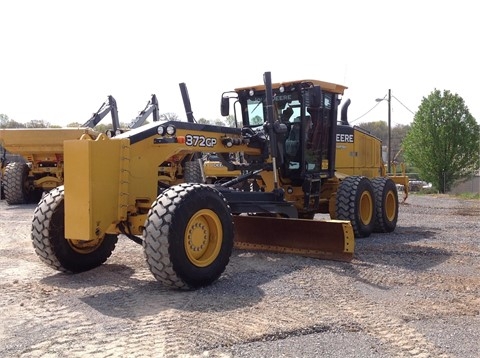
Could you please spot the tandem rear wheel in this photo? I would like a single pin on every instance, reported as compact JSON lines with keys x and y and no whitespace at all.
{"x":386,"y":202}
{"x":355,"y":202}
{"x":370,"y":205}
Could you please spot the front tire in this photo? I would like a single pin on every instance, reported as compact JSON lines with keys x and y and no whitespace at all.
{"x":355,"y":202}
{"x":386,"y":203}
{"x":188,"y":236}
{"x":58,"y":252}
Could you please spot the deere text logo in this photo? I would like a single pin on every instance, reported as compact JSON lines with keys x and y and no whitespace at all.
{"x":344,"y":138}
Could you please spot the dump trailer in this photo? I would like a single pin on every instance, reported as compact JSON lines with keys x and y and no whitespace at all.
{"x":42,"y":168}
{"x":134,"y":184}
{"x":42,"y":151}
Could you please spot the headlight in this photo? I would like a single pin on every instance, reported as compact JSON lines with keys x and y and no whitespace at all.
{"x":171,"y":130}
{"x":161,"y":130}
{"x":227,"y":142}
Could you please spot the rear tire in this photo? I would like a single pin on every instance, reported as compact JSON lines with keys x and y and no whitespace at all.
{"x":48,"y":238}
{"x":355,"y":201}
{"x":188,"y":236}
{"x":386,"y":203}
{"x":193,"y":172}
{"x":15,"y":178}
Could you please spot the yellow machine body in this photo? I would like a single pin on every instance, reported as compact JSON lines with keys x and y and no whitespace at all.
{"x":286,"y":161}
{"x":112,"y":180}
{"x":358,"y":152}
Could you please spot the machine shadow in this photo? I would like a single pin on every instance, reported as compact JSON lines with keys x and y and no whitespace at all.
{"x":131,"y":292}
{"x":408,"y":248}
{"x":125,"y":292}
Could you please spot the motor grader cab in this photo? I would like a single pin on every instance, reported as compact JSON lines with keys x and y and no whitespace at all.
{"x":134,"y":184}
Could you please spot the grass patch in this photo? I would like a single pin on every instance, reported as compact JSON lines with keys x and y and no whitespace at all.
{"x":431,"y":191}
{"x":469,"y":196}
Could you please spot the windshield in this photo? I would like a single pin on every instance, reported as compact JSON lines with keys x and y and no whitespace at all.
{"x":286,"y":108}
{"x":307,"y":142}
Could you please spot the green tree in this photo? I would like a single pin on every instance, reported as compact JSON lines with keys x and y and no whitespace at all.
{"x":74,"y":125}
{"x":231,"y":121}
{"x":444,"y":140}
{"x":3,"y":120}
{"x":203,"y":121}
{"x":37,"y":123}
{"x":6,"y":122}
{"x":102,"y":128}
{"x":398,"y":133}
{"x":378,"y":128}
{"x":169,"y":116}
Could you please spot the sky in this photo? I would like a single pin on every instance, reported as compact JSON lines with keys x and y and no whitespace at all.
{"x":60,"y":60}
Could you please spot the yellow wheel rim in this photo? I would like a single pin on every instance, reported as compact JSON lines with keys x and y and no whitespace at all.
{"x":85,"y":247}
{"x":390,"y":206}
{"x":366,"y":208}
{"x":203,"y":238}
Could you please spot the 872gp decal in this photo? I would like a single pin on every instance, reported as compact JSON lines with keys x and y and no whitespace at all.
{"x":199,"y":141}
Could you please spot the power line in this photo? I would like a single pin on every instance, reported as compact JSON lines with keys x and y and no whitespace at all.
{"x":371,"y":109}
{"x":403,"y":105}
{"x":363,"y":115}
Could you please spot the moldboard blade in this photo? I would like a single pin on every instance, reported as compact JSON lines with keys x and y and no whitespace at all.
{"x":323,"y":239}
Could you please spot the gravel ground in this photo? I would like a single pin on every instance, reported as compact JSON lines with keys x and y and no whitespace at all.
{"x":411,"y":293}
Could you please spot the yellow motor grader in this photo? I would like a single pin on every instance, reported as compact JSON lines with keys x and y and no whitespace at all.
{"x":143,"y":184}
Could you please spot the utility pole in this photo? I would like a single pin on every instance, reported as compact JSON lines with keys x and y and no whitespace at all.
{"x":389,"y":144}
{"x":389,"y":141}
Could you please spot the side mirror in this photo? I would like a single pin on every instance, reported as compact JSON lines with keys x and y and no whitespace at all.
{"x":225,"y":106}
